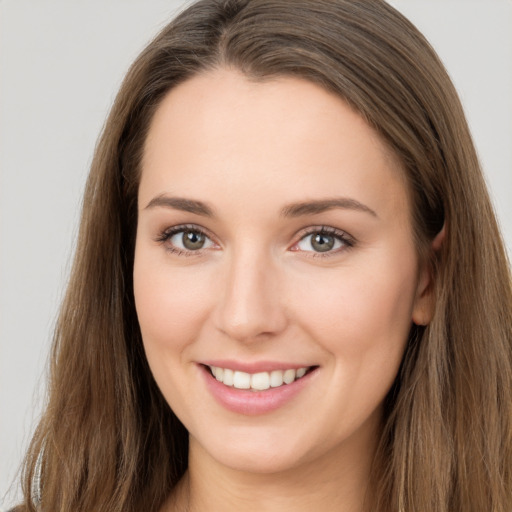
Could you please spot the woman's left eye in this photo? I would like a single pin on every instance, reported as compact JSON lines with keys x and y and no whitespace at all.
{"x":323,"y":241}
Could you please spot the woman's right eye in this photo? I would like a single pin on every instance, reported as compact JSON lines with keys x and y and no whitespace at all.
{"x":185,"y":240}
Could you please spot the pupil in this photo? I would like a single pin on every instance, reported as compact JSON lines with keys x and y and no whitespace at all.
{"x":193,"y":240}
{"x":322,"y":243}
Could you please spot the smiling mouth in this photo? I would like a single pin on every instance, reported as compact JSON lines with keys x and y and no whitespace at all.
{"x":260,"y":381}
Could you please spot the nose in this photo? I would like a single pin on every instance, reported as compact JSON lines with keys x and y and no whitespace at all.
{"x":250,"y":304}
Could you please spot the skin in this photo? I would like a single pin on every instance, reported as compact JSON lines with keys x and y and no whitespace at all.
{"x":258,"y":291}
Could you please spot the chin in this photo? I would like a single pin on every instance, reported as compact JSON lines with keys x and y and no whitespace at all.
{"x":266,"y":455}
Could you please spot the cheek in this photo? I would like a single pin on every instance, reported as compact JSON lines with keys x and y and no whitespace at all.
{"x":362,"y":318}
{"x":170,"y":304}
{"x":361,"y":311}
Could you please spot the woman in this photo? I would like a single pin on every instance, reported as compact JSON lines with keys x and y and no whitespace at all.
{"x":289,"y":289}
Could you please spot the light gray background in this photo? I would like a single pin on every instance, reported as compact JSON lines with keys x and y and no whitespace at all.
{"x":61,"y":63}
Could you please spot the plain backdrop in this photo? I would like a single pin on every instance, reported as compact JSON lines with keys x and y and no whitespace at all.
{"x":61,"y":63}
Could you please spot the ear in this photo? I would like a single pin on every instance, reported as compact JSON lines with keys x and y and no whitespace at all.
{"x":439,"y":239}
{"x":424,"y":302}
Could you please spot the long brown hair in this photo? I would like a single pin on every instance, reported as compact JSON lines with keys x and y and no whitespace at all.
{"x":109,"y":442}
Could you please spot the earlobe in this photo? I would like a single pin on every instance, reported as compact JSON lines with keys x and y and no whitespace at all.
{"x":424,"y":304}
{"x":439,"y":239}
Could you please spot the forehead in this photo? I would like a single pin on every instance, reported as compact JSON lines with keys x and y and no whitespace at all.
{"x":284,"y":135}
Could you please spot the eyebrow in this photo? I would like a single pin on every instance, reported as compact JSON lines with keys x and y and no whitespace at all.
{"x":323,"y":205}
{"x":180,"y":203}
{"x":291,"y":210}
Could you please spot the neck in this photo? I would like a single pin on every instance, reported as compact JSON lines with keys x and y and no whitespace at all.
{"x":337,"y":481}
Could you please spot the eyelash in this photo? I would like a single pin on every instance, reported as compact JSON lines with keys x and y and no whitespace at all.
{"x":347,"y":241}
{"x":167,"y":234}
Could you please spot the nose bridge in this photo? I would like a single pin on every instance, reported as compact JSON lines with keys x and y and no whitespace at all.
{"x":250,"y":305}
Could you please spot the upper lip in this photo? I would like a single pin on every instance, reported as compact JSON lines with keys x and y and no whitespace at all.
{"x":254,"y":366}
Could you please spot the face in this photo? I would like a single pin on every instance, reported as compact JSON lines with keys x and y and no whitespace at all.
{"x":275,"y":275}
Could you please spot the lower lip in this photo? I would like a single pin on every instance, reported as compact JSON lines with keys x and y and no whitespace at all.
{"x":252,"y":403}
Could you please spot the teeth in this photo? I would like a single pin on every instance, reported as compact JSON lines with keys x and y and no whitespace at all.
{"x":228,"y":377}
{"x":260,"y":381}
{"x":257,"y":381}
{"x":241,"y":380}
{"x":300,"y":372}
{"x":289,"y":376}
{"x":276,"y":378}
